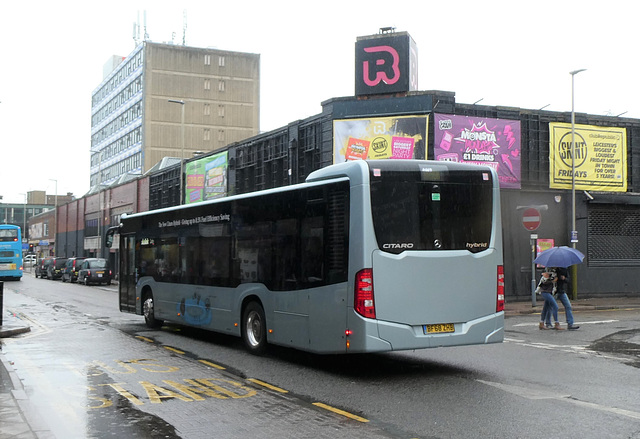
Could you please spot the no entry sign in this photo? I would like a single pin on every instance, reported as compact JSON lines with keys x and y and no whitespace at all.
{"x":531,"y":219}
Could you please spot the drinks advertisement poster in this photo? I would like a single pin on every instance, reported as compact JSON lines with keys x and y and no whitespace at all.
{"x":206,"y":178}
{"x":399,"y":137}
{"x":543,"y":244}
{"x":480,"y":141}
{"x":600,"y":161}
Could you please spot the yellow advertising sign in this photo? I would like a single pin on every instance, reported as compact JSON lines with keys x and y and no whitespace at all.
{"x":600,"y":157}
{"x":396,"y":137}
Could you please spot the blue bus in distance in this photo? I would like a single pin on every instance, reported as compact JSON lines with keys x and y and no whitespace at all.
{"x":10,"y":252}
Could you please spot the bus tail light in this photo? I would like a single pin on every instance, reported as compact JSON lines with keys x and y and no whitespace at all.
{"x":500,"y":289}
{"x":363,"y":301}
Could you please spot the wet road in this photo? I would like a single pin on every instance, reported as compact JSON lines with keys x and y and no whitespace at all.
{"x":105,"y":374}
{"x":88,"y":374}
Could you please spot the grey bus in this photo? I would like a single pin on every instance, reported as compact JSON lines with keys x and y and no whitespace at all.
{"x":364,"y":256}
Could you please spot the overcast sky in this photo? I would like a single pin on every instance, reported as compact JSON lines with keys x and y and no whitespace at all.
{"x":507,"y":53}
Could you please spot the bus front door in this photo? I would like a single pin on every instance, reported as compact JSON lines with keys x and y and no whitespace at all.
{"x":128,"y":275}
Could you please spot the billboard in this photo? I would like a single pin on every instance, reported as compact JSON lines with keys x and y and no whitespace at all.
{"x":206,"y":178}
{"x":396,"y":137}
{"x":386,"y":63}
{"x":600,"y":158}
{"x":480,"y":141}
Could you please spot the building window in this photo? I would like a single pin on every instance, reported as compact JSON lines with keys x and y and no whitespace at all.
{"x":207,"y":60}
{"x":221,"y":135}
{"x":221,"y":110}
{"x":221,"y":61}
{"x":207,"y":109}
{"x":207,"y":84}
{"x":221,"y":85}
{"x":207,"y":135}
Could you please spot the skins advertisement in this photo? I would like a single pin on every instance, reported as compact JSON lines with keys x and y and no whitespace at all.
{"x":600,"y":157}
{"x":480,"y":141}
{"x":206,"y":178}
{"x":400,"y":137}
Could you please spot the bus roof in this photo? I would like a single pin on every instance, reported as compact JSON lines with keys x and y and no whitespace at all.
{"x":234,"y":197}
{"x":355,"y":171}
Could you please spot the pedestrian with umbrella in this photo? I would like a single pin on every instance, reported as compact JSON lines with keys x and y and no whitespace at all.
{"x":561,"y":295}
{"x":557,"y":259}
{"x":547,"y":286}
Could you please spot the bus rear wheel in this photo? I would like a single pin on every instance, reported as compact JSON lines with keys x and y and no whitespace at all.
{"x":148,"y":311}
{"x":254,"y":328}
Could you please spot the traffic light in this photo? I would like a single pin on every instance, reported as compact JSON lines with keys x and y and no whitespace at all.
{"x":30,"y":248}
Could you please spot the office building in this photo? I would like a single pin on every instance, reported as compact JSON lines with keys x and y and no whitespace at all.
{"x":134,"y":124}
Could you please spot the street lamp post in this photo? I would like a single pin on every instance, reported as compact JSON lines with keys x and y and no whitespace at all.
{"x":55,"y":219}
{"x":100,"y":203}
{"x":175,"y":101}
{"x":99,"y":247}
{"x":24,"y":218}
{"x":574,"y":232}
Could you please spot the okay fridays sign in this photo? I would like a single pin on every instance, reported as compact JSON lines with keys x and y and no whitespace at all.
{"x":600,"y":157}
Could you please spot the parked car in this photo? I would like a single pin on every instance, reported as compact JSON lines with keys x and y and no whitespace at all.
{"x":70,"y":272}
{"x":29,"y":260}
{"x":41,"y":267}
{"x":54,"y":270}
{"x":94,"y":271}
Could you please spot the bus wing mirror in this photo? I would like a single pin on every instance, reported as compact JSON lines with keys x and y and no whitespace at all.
{"x":109,"y":236}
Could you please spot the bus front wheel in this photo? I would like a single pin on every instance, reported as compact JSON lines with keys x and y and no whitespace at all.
{"x":148,"y":311}
{"x":254,"y":328}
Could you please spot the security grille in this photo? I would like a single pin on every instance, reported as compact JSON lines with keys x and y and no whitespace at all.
{"x":614,"y":236}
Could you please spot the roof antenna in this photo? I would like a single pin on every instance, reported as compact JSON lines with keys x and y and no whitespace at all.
{"x":136,"y":31}
{"x":184,"y":27}
{"x":146,"y":35}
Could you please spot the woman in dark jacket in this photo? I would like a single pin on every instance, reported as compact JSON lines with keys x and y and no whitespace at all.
{"x":547,"y":286}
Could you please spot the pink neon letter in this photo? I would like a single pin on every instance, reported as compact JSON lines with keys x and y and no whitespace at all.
{"x":381,"y":75}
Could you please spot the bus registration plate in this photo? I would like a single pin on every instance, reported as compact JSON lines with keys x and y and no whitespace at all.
{"x":438,"y":328}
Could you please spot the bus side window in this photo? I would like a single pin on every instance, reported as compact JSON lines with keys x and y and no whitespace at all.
{"x":312,"y":259}
{"x":313,"y":252}
{"x":215,"y":254}
{"x":285,"y":259}
{"x":253,"y":253}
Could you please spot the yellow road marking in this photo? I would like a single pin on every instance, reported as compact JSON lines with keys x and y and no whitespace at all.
{"x":148,"y":340}
{"x":340,"y":412}
{"x":208,"y":363}
{"x":267,"y":385}
{"x":177,"y":351}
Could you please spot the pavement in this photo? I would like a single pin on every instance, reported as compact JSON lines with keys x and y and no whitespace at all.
{"x":525,"y":306}
{"x":18,"y":420}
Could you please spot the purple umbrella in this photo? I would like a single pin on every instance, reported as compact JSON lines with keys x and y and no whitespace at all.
{"x":562,"y":256}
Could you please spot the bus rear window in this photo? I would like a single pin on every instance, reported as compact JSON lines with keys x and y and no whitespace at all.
{"x":8,"y":235}
{"x":432,"y":208}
